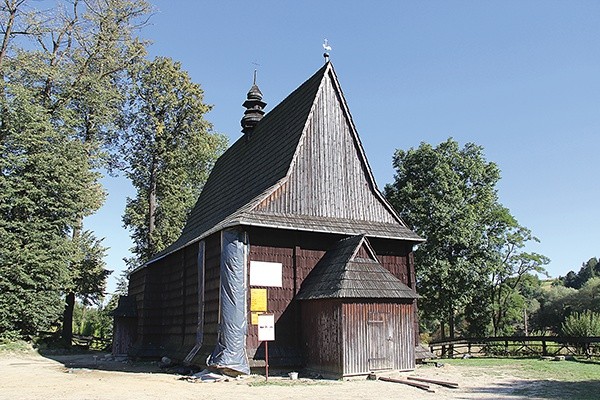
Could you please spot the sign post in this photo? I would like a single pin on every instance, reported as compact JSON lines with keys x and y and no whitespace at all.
{"x":266,"y":333}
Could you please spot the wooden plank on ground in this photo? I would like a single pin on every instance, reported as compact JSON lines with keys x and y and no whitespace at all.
{"x":409,"y":383}
{"x":451,"y":385}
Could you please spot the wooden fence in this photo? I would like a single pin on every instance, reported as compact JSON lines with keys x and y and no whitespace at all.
{"x":517,"y":346}
{"x":92,"y":342}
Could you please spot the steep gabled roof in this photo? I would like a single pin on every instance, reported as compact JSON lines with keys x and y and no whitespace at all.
{"x":260,"y":163}
{"x":344,"y":273}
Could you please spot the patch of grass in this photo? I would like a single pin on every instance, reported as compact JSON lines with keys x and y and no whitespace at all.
{"x":545,"y":379}
{"x":14,"y":346}
{"x":534,"y":368}
{"x":287,"y":382}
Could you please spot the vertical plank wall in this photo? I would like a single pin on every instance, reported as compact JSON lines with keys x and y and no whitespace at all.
{"x":323,"y":340}
{"x":356,"y":343}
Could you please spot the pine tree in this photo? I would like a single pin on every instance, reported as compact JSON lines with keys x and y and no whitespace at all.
{"x":45,"y":185}
{"x":64,"y":74}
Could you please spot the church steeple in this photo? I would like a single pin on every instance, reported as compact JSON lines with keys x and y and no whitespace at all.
{"x":254,"y":108}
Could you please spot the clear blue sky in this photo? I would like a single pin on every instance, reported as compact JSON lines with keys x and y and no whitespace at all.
{"x":521,"y":79}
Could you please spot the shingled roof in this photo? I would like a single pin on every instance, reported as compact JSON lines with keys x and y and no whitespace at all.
{"x":259,"y":163}
{"x":341,"y":273}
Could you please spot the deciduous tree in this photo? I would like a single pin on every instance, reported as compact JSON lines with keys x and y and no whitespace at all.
{"x":168,"y":151}
{"x":445,"y":194}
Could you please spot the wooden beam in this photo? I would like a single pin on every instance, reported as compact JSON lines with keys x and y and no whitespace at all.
{"x":450,"y":385}
{"x":409,"y":383}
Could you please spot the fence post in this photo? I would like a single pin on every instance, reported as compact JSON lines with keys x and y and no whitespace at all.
{"x":544,"y":348}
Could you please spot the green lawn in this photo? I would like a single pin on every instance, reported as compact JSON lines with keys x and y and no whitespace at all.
{"x":553,"y":380}
{"x":534,"y":368}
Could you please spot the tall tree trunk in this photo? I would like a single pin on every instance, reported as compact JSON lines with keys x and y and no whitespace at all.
{"x":451,"y":330}
{"x":152,"y":208}
{"x":497,"y":313}
{"x":67,"y":330}
{"x":12,"y":8}
{"x":443,"y":336}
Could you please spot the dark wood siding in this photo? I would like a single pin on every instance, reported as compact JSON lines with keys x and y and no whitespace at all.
{"x":166,"y":297}
{"x":212,"y":282}
{"x":167,"y":301}
{"x":124,"y":332}
{"x":377,"y":336}
{"x":137,"y":285}
{"x":398,"y":266}
{"x":322,"y":328}
{"x":278,"y":303}
{"x":149,"y":312}
{"x":298,"y":253}
{"x":363,"y":253}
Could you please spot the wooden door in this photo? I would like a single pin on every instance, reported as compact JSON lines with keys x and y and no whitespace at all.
{"x":378,"y":341}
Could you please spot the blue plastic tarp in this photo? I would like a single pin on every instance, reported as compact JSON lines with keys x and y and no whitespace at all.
{"x":230,"y":351}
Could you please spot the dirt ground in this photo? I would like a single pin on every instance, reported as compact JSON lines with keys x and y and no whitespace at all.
{"x":90,"y":376}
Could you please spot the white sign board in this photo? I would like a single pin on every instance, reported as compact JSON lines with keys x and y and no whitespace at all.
{"x":266,"y":327}
{"x":264,"y":273}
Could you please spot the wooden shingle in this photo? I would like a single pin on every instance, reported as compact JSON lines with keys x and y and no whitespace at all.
{"x":342,"y":274}
{"x":272,"y":178}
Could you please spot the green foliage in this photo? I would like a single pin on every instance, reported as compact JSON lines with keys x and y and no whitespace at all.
{"x":45,"y":181}
{"x":88,"y":273}
{"x":586,"y":323}
{"x":168,"y":152}
{"x":445,"y":194}
{"x":554,"y":307}
{"x":93,"y":321}
{"x":477,"y":315}
{"x":557,"y":303}
{"x":14,"y":345}
{"x":472,"y":265}
{"x":62,"y":90}
{"x":512,"y":283}
{"x":588,"y":270}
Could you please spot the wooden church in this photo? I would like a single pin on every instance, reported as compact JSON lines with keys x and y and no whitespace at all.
{"x":290,"y":222}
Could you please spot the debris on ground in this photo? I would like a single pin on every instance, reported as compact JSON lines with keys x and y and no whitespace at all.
{"x":206,"y":376}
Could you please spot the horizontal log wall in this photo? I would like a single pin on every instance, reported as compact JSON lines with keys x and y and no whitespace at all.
{"x":166,"y":297}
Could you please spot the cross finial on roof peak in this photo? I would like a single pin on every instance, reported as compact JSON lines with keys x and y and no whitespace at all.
{"x":327,"y":48}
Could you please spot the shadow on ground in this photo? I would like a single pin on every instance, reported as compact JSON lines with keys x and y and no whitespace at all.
{"x":97,"y":360}
{"x":544,"y":389}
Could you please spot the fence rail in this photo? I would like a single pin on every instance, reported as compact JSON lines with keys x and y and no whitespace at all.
{"x":92,"y":342}
{"x":79,"y":341}
{"x":518,"y":345}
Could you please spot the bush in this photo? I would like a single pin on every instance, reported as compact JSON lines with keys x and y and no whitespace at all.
{"x":15,"y":345}
{"x":586,"y":323}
